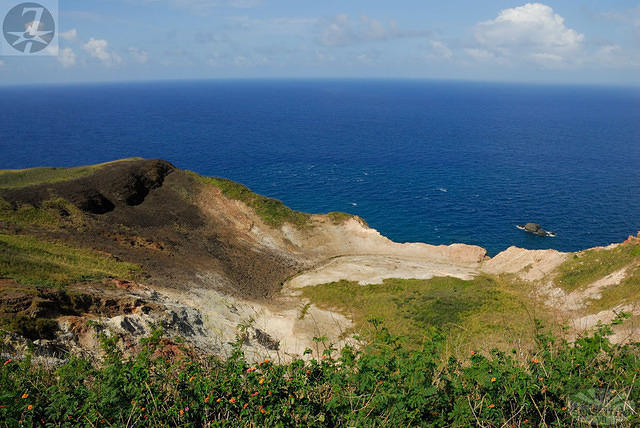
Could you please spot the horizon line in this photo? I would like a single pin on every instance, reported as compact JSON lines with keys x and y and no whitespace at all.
{"x":631,"y":85}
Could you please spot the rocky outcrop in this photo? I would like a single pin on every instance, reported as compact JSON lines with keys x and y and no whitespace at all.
{"x":535,"y":229}
{"x":530,"y":265}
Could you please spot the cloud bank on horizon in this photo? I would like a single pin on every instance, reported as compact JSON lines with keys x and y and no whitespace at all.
{"x":496,"y":40}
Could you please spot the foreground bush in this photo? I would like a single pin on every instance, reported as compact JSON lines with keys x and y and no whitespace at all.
{"x":588,"y":383}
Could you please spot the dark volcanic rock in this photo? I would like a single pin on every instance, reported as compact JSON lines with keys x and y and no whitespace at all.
{"x":92,"y":201}
{"x":535,"y":229}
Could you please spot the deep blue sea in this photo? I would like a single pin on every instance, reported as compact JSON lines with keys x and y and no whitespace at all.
{"x":430,"y":161}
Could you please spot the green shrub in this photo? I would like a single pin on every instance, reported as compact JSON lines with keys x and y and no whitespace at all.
{"x":588,"y":382}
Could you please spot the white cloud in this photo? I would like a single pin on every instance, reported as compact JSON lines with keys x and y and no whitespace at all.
{"x":206,"y":6}
{"x":532,"y":32}
{"x":439,"y":50}
{"x":613,"y":56}
{"x":69,"y":35}
{"x":250,"y":60}
{"x":67,"y":58}
{"x":139,"y":56}
{"x":342,"y":30}
{"x":479,"y":54}
{"x":99,"y":49}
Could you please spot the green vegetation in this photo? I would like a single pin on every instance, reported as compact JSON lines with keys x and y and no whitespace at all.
{"x":14,"y":178}
{"x":338,"y":217}
{"x":586,"y":267}
{"x":271,"y":211}
{"x":587,"y":383}
{"x":626,"y":292}
{"x":49,"y":215}
{"x":32,"y":328}
{"x":34,"y":262}
{"x":468,"y":310}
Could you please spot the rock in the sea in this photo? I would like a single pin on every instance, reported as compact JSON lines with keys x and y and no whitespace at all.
{"x":536,"y":229}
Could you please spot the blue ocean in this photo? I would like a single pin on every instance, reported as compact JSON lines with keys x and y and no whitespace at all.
{"x":432,"y":161}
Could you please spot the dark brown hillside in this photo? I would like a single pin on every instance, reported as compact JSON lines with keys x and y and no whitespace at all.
{"x":150,"y":213}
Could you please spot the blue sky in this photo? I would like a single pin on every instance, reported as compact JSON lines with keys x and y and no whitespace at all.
{"x":555,"y":41}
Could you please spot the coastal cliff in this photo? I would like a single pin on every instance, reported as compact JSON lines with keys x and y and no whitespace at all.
{"x":128,"y":246}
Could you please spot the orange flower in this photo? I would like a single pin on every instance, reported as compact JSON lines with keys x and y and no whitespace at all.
{"x":266,"y":361}
{"x":206,"y":400}
{"x":491,"y":406}
{"x":534,"y":361}
{"x":8,"y":361}
{"x":261,"y":381}
{"x":191,"y":378}
{"x":613,"y":391}
{"x":493,"y":379}
{"x":254,"y":394}
{"x":30,"y":406}
{"x":25,"y":395}
{"x":379,"y":382}
{"x":218,"y":400}
{"x":245,"y":405}
{"x":232,"y":400}
{"x":473,"y":352}
{"x":262,"y":410}
{"x":564,"y":408}
{"x":142,"y":409}
{"x":181,"y":412}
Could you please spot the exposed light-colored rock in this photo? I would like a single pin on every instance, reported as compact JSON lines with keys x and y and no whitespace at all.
{"x":530,"y":265}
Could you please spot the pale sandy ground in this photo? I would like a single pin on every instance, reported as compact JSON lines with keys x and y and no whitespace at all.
{"x":374,"y":269}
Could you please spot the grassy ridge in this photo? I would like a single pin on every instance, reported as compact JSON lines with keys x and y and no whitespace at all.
{"x":14,"y":178}
{"x":272,"y":211}
{"x":34,"y":262}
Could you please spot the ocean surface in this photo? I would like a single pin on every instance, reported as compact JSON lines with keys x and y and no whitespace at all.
{"x":432,"y":161}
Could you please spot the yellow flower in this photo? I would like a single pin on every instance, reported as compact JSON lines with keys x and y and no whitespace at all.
{"x":261,"y":381}
{"x":493,"y":379}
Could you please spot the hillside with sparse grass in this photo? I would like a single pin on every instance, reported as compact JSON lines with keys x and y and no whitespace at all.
{"x":95,"y":260}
